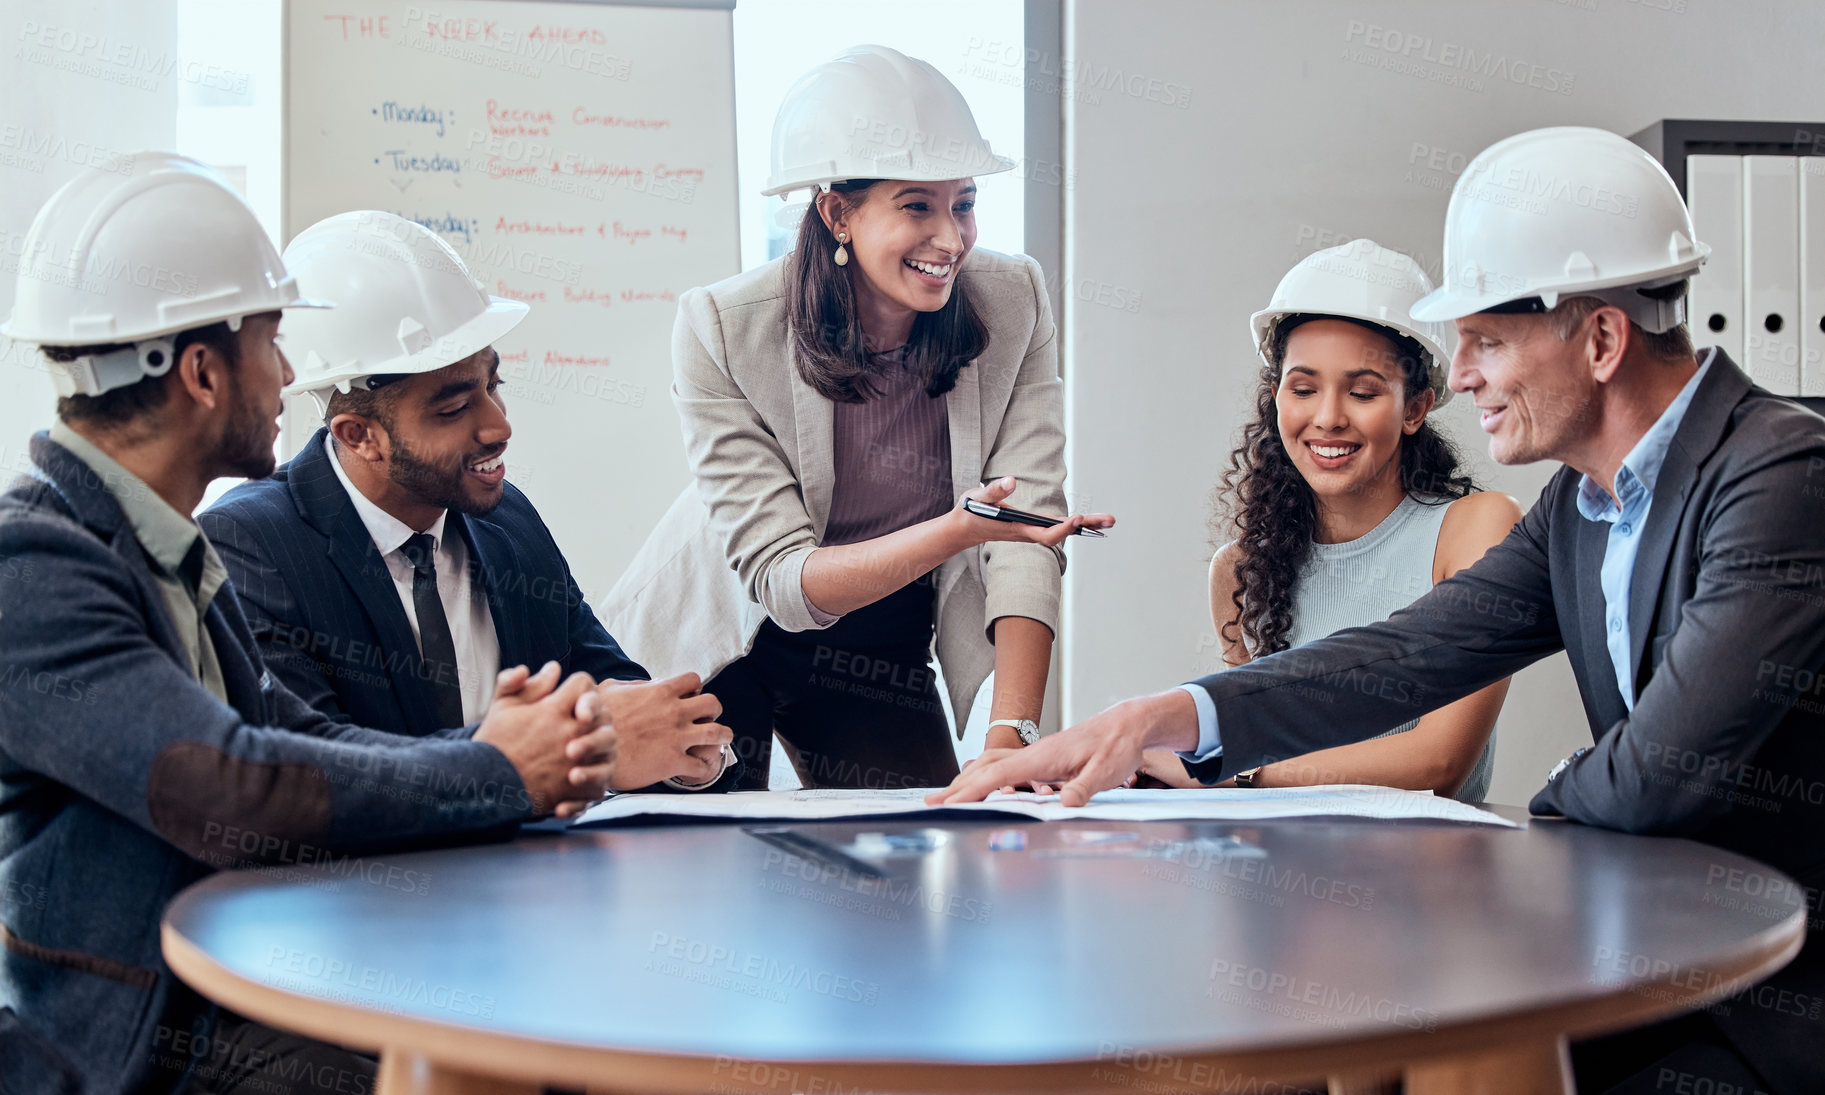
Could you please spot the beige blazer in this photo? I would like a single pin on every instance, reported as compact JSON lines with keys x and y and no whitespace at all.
{"x":729,"y":552}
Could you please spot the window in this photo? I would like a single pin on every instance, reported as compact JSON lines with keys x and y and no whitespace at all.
{"x":228,"y":110}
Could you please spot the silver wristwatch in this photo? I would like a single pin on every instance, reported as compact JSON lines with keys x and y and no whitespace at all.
{"x":1026,"y":728}
{"x":1566,"y":763}
{"x":728,"y":761}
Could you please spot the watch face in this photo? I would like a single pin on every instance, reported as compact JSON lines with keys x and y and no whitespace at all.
{"x":1029,"y":731}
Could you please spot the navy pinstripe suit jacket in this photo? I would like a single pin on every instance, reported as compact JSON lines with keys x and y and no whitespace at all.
{"x":331,"y":627}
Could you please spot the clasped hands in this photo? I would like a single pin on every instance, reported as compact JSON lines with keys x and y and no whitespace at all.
{"x":576,"y":740}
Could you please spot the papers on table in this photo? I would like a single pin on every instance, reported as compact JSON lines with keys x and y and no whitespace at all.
{"x":1211,"y":804}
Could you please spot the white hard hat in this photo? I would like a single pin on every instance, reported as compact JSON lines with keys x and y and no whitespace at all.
{"x":1566,"y":211}
{"x":409,"y":303}
{"x":1360,"y":280}
{"x":158,"y":245}
{"x":875,"y":113}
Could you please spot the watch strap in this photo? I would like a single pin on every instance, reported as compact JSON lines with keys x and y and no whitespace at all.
{"x":728,"y":761}
{"x":1026,"y":728}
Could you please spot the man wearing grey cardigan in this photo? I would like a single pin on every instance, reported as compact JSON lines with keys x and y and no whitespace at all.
{"x":143,"y":744}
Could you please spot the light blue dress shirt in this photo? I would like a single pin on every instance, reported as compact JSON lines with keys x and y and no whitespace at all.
{"x":1635,"y":486}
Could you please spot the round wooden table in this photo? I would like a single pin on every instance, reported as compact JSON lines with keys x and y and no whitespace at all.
{"x":1185,"y":957}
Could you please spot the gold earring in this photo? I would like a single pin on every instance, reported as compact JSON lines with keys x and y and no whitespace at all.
{"x":842,"y":253}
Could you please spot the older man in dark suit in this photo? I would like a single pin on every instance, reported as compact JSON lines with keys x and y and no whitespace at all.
{"x":1678,"y":558}
{"x":390,"y":569}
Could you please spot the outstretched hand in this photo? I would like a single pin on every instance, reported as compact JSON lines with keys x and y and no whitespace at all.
{"x":1102,"y":752}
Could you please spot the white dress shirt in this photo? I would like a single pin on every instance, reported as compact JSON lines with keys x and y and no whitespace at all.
{"x":478,"y":648}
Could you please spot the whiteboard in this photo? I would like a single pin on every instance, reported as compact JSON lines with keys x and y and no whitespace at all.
{"x":580,"y":157}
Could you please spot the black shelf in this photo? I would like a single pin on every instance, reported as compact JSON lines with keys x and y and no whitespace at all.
{"x":1671,"y":140}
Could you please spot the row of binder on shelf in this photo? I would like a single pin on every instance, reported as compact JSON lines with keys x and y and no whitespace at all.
{"x":1761,"y":295}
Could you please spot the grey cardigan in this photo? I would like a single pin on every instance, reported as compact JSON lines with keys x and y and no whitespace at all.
{"x":122,"y":781}
{"x":729,"y":552}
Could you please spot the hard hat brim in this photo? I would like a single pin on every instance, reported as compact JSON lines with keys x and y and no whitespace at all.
{"x":501,"y":316}
{"x":9,"y":330}
{"x":1261,"y":324}
{"x":997,"y":163}
{"x":1445,"y":304}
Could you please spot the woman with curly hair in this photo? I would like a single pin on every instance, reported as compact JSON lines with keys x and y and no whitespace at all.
{"x":1346,"y":505}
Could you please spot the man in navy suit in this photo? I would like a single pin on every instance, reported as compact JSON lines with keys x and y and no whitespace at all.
{"x":389,"y":569}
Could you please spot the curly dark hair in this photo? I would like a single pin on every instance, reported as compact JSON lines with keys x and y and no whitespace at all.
{"x":1271,"y":510}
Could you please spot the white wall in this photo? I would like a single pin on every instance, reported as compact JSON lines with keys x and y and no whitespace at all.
{"x":1182,"y":219}
{"x":86,"y":84}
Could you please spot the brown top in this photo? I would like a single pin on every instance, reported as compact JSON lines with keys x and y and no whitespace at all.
{"x":893,"y":458}
{"x":893,"y":461}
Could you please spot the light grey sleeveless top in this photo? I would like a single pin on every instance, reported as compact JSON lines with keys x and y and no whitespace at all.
{"x":1366,"y":580}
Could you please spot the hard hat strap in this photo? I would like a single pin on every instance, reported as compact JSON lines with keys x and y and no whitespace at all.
{"x":375,"y":381}
{"x":156,"y":356}
{"x":321,"y":397}
{"x":93,"y":374}
{"x":1651,"y":315}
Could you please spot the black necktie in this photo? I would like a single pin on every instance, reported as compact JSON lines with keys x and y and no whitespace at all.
{"x":437,"y":650}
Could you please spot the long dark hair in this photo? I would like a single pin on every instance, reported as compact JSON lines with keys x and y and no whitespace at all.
{"x":1272,"y":511}
{"x":827,"y":331}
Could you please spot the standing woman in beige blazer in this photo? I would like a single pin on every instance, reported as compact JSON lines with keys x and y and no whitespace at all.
{"x":837,"y":403}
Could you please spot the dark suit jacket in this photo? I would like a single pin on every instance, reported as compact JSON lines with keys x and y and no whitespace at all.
{"x":330,"y":625}
{"x":1726,"y":742}
{"x":122,"y":780}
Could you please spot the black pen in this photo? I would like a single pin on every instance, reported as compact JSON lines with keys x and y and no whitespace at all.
{"x":1022,"y":517}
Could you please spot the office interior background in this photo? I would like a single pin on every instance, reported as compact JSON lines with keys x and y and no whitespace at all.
{"x":1171,"y":169}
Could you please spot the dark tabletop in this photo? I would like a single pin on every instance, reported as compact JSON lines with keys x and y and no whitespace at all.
{"x":703,"y":940}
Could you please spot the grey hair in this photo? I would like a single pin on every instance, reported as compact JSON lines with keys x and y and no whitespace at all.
{"x":1673,"y":344}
